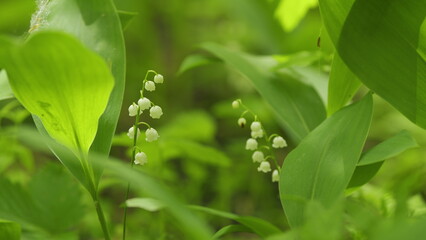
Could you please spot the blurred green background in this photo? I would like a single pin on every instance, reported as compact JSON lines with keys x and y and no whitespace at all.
{"x":201,"y":154}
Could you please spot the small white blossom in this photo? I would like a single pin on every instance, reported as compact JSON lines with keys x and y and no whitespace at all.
{"x":131,"y":133}
{"x":144,"y":103}
{"x":151,"y":135}
{"x":257,"y":134}
{"x":235,"y":104}
{"x":279,"y":142}
{"x":251,"y":144}
{"x":140,"y":158}
{"x":158,"y":78}
{"x":150,"y":86}
{"x":255,"y":126}
{"x":155,"y":112}
{"x":242,"y":122}
{"x":275,"y":176}
{"x":265,"y":167}
{"x":258,"y":156}
{"x":133,"y":110}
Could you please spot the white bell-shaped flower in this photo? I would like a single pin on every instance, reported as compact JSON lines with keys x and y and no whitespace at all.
{"x":242,"y":122}
{"x":155,"y":112}
{"x":131,"y":133}
{"x":256,"y":126}
{"x":235,"y":104}
{"x":251,"y":144}
{"x":150,"y":86}
{"x":158,"y":78}
{"x":133,"y":110}
{"x":151,"y":135}
{"x":257,"y":134}
{"x":258,"y":156}
{"x":144,"y":103}
{"x":275,"y":176}
{"x":140,"y":158}
{"x":264,"y":166}
{"x":279,"y":142}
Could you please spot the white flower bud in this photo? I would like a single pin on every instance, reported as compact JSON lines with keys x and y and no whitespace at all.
{"x":255,"y":126}
{"x":131,"y":133}
{"x":279,"y":142}
{"x":257,"y":134}
{"x":155,"y":112}
{"x":140,"y":158}
{"x":158,"y":78}
{"x":265,"y":167}
{"x":258,"y":156}
{"x":133,"y":110}
{"x":242,"y":122}
{"x":151,"y":135}
{"x":251,"y":144}
{"x":144,"y":103}
{"x":150,"y":86}
{"x":275,"y":176}
{"x":235,"y":104}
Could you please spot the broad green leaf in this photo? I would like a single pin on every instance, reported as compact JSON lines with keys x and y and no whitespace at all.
{"x":50,"y":204}
{"x":148,"y":204}
{"x":194,"y":151}
{"x":193,"y":61}
{"x":126,"y":17}
{"x":297,"y":105}
{"x":97,"y":25}
{"x":66,"y":85}
{"x":230,"y":229}
{"x":259,"y":226}
{"x":372,"y":160}
{"x":321,"y":166}
{"x":10,"y":230}
{"x":291,"y":12}
{"x":5,"y":90}
{"x":194,"y":227}
{"x":388,"y":148}
{"x":384,"y":45}
{"x":342,"y":85}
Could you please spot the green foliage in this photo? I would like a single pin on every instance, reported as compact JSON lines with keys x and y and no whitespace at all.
{"x":69,"y":101}
{"x":45,"y":205}
{"x":342,"y":85}
{"x":256,"y":225}
{"x":10,"y":230}
{"x":321,"y":166}
{"x":366,"y":29}
{"x":372,"y":160}
{"x":97,"y":25}
{"x":291,"y":12}
{"x":298,"y":107}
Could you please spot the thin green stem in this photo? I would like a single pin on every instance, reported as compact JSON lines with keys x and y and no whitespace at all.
{"x":135,"y":139}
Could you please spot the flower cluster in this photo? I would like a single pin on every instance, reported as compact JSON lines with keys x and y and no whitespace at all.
{"x":137,"y":109}
{"x":259,"y":135}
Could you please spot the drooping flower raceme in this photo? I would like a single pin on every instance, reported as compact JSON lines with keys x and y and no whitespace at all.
{"x":251,"y":144}
{"x":258,"y":156}
{"x":275,"y":176}
{"x":141,"y":158}
{"x":261,"y":140}
{"x":144,"y":103}
{"x":158,"y":78}
{"x":133,"y":110}
{"x":242,"y":122}
{"x":155,"y":112}
{"x":279,"y":142}
{"x":265,"y":167}
{"x":151,"y":135}
{"x":131,"y":133}
{"x":150,"y":86}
